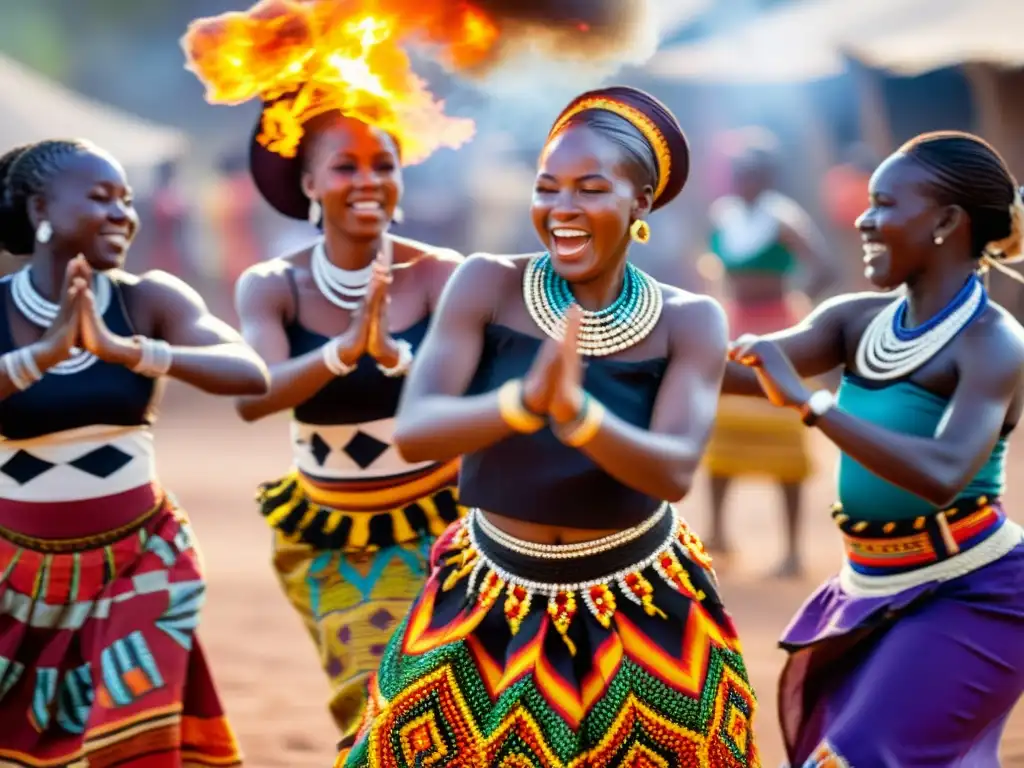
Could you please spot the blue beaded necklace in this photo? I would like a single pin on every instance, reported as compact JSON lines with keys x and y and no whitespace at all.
{"x":899,"y":321}
{"x":888,"y":350}
{"x":623,"y":323}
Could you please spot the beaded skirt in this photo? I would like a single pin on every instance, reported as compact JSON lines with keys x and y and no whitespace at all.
{"x":609,"y":653}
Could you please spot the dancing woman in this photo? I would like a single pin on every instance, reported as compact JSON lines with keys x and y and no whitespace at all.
{"x":572,"y":617}
{"x":763,"y":242}
{"x":914,"y":654}
{"x":353,"y":521}
{"x":100,"y":584}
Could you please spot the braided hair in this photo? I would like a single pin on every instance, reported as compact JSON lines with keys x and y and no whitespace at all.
{"x":969,"y":173}
{"x":24,"y":172}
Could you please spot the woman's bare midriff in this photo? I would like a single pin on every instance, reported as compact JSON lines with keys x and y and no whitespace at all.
{"x":546,"y":534}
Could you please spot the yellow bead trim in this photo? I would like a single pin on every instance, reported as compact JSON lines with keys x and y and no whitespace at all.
{"x":513,"y":412}
{"x":640,"y":121}
{"x":588,"y":426}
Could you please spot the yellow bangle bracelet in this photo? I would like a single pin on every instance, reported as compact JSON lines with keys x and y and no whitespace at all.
{"x":513,"y":412}
{"x":588,"y":426}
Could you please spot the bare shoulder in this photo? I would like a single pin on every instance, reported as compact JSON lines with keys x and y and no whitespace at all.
{"x":156,"y":283}
{"x":427,"y":262}
{"x":995,"y":340}
{"x":267,"y":281}
{"x":156,"y":296}
{"x":486,"y":280}
{"x":497,"y":272}
{"x":697,"y":322}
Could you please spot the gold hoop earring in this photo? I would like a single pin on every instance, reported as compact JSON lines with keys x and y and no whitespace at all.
{"x":640,"y":231}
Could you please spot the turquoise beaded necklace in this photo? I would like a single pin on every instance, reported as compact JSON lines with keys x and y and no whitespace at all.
{"x":623,"y":323}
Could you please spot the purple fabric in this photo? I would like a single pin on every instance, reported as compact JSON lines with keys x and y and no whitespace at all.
{"x":926,"y":677}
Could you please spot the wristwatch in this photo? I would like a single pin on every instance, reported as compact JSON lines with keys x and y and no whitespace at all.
{"x":817,"y":405}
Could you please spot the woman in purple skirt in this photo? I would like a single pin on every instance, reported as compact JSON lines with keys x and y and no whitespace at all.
{"x":913,"y":655}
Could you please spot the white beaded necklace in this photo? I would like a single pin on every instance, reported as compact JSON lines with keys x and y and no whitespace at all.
{"x":882,"y":355}
{"x":344,"y":288}
{"x":41,"y":312}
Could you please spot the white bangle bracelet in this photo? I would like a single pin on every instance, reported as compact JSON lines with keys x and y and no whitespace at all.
{"x":21,"y":368}
{"x":156,"y":358}
{"x":404,"y":361}
{"x":332,"y":359}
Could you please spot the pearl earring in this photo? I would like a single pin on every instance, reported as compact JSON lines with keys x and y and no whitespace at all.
{"x":315,"y":213}
{"x":939,"y":240}
{"x":44,"y":232}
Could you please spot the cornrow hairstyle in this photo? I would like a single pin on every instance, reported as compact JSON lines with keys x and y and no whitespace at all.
{"x":6,"y":161}
{"x":27,"y":171}
{"x":970,"y":173}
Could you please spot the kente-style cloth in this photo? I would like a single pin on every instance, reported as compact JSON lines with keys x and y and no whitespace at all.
{"x":99,"y":662}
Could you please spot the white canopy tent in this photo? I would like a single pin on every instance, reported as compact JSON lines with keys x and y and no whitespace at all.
{"x":806,"y":39}
{"x":979,"y":32}
{"x":36,"y":108}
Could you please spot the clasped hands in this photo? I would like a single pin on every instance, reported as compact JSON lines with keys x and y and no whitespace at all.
{"x":79,"y":324}
{"x":368,"y":332}
{"x":553,"y":387}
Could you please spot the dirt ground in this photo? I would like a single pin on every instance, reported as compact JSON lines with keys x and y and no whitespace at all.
{"x":265,"y":664}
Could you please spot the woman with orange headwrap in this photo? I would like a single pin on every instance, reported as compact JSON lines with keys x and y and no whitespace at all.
{"x":572,"y":618}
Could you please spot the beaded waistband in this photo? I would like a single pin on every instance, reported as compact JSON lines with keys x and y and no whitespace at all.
{"x":885,"y":558}
{"x":555,"y":564}
{"x":597,"y":573}
{"x":878,"y":548}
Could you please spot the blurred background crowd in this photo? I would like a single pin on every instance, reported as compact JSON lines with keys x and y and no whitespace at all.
{"x":829,"y":87}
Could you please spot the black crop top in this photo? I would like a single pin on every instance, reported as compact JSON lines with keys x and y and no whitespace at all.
{"x":536,"y":478}
{"x":102,"y":394}
{"x":364,"y":395}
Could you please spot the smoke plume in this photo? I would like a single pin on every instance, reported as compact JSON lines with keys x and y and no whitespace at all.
{"x":604,"y":35}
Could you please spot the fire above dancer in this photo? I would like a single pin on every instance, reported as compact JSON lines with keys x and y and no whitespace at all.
{"x":314,"y":56}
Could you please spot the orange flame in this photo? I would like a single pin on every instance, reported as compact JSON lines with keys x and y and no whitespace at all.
{"x":309,"y":57}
